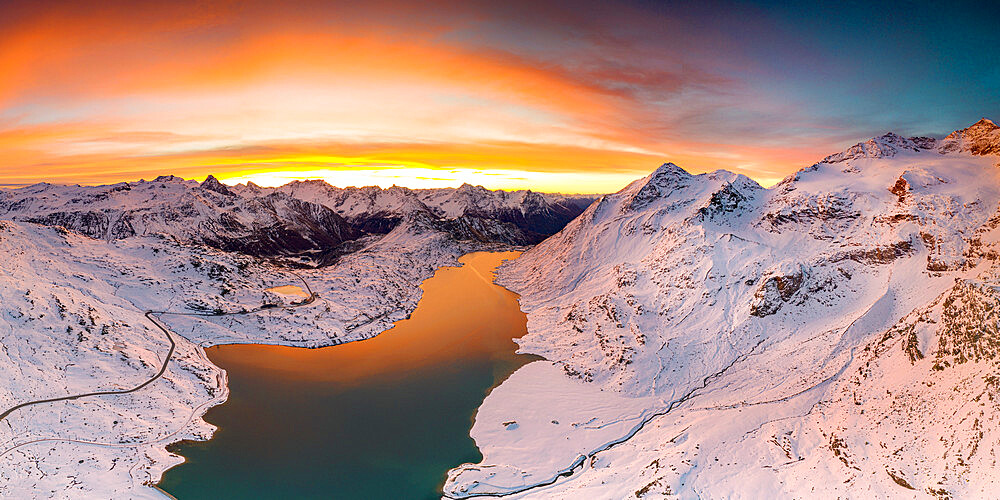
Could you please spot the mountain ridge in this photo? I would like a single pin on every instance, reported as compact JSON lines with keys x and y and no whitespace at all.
{"x":306,"y":222}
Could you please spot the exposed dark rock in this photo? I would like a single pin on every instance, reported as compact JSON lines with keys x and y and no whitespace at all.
{"x":883,"y":254}
{"x":775,"y":291}
{"x":900,"y":188}
{"x":213,"y":184}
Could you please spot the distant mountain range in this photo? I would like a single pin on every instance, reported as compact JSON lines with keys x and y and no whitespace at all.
{"x":310,"y":221}
{"x":529,"y":217}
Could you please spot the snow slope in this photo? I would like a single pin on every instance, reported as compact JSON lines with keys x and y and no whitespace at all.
{"x":832,"y":336}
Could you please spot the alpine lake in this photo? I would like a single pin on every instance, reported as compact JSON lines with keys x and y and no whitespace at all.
{"x":380,"y":418}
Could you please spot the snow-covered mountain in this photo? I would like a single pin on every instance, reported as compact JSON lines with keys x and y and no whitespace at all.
{"x":833,"y":336}
{"x":982,"y":138}
{"x":309,"y":221}
{"x":271,"y":225}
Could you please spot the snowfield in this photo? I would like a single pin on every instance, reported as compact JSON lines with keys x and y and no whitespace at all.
{"x":833,"y":336}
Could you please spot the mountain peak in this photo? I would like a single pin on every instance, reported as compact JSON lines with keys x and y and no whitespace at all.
{"x":669,"y":169}
{"x":311,"y":182}
{"x":470,"y":189}
{"x":980,"y":138}
{"x":983,"y":125}
{"x":666,"y":175}
{"x":665,"y":179}
{"x":984,"y":122}
{"x":212,"y":184}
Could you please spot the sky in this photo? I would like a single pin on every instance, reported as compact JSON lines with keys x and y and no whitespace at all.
{"x":571,"y":96}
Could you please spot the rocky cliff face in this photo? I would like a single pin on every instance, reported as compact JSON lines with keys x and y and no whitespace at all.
{"x":831,"y":336}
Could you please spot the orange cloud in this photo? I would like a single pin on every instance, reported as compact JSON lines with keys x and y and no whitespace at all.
{"x":132,"y":90}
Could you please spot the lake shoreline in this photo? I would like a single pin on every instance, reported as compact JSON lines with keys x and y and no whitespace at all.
{"x":285,"y":362}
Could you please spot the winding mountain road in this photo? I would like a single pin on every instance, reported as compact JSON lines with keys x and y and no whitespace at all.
{"x":166,"y":360}
{"x":170,"y":352}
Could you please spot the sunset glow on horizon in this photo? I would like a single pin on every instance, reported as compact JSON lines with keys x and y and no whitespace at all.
{"x":427,"y":178}
{"x":547,"y":96}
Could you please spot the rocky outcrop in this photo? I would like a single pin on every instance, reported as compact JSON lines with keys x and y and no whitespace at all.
{"x":775,"y":291}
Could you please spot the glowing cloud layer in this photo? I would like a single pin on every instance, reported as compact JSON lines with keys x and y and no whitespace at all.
{"x":548,"y":96}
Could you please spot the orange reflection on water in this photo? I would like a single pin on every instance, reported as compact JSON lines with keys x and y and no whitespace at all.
{"x":462,"y":315}
{"x":289,"y":290}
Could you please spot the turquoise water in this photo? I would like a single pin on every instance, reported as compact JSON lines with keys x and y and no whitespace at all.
{"x":382,"y":418}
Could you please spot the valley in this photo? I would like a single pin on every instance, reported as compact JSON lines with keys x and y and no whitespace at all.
{"x":74,"y":323}
{"x":524,"y":250}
